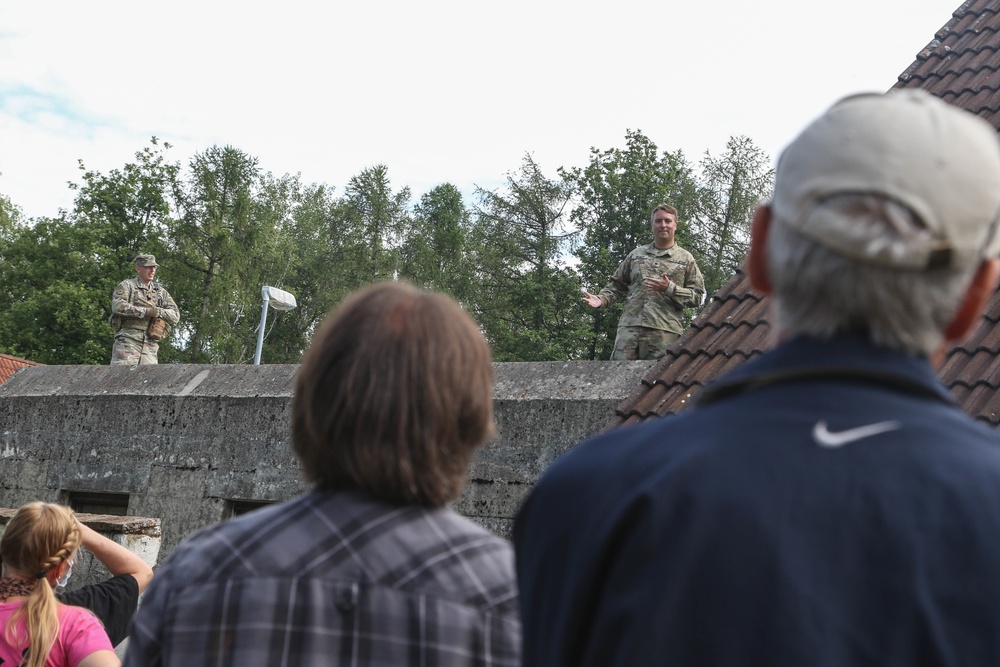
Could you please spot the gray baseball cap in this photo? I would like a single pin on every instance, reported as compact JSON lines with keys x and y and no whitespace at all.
{"x":940,"y":161}
{"x":145,"y":260}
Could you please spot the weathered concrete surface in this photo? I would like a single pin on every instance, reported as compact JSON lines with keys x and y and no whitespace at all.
{"x":186,"y":441}
{"x":542,"y":410}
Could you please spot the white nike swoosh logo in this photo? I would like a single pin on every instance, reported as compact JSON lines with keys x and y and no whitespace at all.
{"x":824,"y":438}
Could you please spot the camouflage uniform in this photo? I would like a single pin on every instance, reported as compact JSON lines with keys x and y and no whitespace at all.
{"x":132,"y":345}
{"x":652,"y":321}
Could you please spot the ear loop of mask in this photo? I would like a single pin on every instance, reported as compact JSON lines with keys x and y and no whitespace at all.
{"x":62,"y":581}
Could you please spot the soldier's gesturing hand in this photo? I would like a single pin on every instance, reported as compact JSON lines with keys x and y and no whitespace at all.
{"x":591,"y":300}
{"x":661,"y":284}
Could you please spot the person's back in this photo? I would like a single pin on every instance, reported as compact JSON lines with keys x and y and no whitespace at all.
{"x":79,"y":637}
{"x":827,"y":503}
{"x":756,"y":544}
{"x":337,"y":578}
{"x":370,"y":567}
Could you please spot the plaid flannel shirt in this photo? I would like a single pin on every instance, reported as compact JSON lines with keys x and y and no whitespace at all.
{"x":333,"y":579}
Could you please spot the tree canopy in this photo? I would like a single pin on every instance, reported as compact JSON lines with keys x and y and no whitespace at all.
{"x":222,"y":227}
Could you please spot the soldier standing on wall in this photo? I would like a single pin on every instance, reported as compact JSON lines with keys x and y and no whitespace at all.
{"x":657,"y":281}
{"x":141,"y":315}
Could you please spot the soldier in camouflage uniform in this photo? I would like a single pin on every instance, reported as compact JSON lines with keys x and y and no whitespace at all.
{"x":135,"y":304}
{"x":658,"y":281}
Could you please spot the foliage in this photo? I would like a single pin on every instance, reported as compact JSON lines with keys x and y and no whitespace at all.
{"x":526,"y":296}
{"x":58,"y":273}
{"x":126,"y":211}
{"x":434,"y":253}
{"x":214,"y":239}
{"x":49,"y":295}
{"x":10,"y":215}
{"x":734,"y":183}
{"x":222,"y":228}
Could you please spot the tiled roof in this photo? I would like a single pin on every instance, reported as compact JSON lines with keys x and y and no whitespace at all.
{"x":961,"y":65}
{"x":730,"y":330}
{"x":9,"y":364}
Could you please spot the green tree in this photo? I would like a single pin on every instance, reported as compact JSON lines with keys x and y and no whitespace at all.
{"x":309,"y":258}
{"x":526,"y":294}
{"x":126,"y":211}
{"x":213,"y":243}
{"x":371,"y":220}
{"x":9,"y":216}
{"x":54,"y":303}
{"x":434,"y":254}
{"x":617,"y":192}
{"x":734,"y":183}
{"x":58,"y":273}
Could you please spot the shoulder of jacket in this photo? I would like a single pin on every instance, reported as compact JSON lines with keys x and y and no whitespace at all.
{"x":641,"y":250}
{"x":682,"y":252}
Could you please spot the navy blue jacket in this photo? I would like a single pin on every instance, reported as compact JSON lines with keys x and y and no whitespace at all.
{"x":830,"y":506}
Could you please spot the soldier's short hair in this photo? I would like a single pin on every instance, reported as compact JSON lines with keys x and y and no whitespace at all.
{"x":664,"y":207}
{"x":393,"y":396}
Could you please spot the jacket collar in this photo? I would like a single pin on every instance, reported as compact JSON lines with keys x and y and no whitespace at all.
{"x":847,"y":357}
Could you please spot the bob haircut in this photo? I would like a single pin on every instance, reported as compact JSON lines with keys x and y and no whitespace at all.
{"x":393,"y":397}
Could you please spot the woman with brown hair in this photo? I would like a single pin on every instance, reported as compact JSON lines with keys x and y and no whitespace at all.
{"x":37,"y":551}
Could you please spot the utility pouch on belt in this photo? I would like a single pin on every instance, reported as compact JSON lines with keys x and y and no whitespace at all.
{"x":157,"y":329}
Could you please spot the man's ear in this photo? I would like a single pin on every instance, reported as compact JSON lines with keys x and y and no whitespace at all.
{"x":983,"y":284}
{"x":760,"y":277}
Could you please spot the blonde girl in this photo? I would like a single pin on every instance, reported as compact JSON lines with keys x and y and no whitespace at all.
{"x":37,"y":551}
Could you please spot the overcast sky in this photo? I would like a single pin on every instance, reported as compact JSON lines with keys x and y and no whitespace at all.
{"x":439,"y":91}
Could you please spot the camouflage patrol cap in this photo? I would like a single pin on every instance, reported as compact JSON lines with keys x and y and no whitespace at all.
{"x":145,"y":260}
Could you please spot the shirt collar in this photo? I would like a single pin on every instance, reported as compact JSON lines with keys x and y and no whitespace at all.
{"x":843,"y":353}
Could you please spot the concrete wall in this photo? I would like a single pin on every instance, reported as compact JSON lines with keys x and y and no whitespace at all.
{"x":186,"y":442}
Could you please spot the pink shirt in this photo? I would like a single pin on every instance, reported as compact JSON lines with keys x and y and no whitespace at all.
{"x":80,"y":634}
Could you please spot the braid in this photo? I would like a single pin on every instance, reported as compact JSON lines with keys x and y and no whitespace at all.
{"x":64,"y":552}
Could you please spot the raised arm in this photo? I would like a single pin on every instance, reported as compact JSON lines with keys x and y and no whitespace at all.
{"x":115,"y":557}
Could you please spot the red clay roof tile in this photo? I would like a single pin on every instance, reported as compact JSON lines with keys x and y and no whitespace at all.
{"x":9,"y":364}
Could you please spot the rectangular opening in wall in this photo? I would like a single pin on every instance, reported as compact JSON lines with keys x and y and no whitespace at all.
{"x":90,"y":502}
{"x":238,"y":507}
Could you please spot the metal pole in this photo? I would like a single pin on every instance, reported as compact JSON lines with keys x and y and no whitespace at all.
{"x":263,"y":320}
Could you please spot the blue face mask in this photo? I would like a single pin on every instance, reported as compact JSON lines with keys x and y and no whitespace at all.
{"x":61,"y":582}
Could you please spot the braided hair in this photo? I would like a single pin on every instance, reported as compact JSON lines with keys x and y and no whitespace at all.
{"x":37,"y":539}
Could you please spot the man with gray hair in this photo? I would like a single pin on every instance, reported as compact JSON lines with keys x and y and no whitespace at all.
{"x":827,"y":503}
